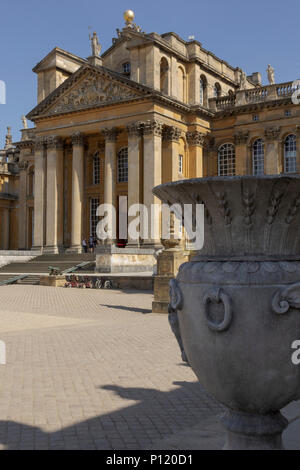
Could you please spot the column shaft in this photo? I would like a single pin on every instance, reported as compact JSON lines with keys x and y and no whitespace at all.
{"x":39,"y":195}
{"x":273,"y":154}
{"x":134,"y":176}
{"x":110,"y":169}
{"x":77,"y":192}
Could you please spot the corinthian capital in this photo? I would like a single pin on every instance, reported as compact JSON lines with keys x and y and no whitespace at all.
{"x":195,"y":138}
{"x":272,"y":133}
{"x":135,"y":129}
{"x":111,"y":134}
{"x":171,"y":134}
{"x":54,"y":142}
{"x":153,"y":127}
{"x":39,"y":143}
{"x":77,"y":138}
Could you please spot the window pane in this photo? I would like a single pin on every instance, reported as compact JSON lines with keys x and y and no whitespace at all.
{"x":96,"y":169}
{"x":94,"y":203}
{"x":258,"y":156}
{"x":226,"y":160}
{"x":123,"y":165}
{"x":290,"y":154}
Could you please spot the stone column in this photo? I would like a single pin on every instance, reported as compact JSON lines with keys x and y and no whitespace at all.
{"x":170,"y":161}
{"x":6,"y":231}
{"x":196,"y":142}
{"x":134,"y":170}
{"x":22,"y":215}
{"x":77,"y":192}
{"x":39,"y":195}
{"x":273,"y":151}
{"x":110,"y":176}
{"x":54,"y":192}
{"x":152,"y":177}
{"x":241,"y":139}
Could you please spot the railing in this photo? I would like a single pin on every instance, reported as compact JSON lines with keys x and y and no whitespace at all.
{"x":254,"y":95}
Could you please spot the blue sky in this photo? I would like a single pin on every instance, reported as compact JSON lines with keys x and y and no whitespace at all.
{"x":246,"y":34}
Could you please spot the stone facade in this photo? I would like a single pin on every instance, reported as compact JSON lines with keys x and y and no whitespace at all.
{"x":158,"y":105}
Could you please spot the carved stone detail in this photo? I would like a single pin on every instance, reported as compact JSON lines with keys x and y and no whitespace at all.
{"x":153,"y":127}
{"x":39,"y":143}
{"x":92,"y":91}
{"x":272,"y":133}
{"x":241,"y":137}
{"x":54,"y":142}
{"x":224,"y":209}
{"x":171,"y":134}
{"x":135,"y":129}
{"x":176,"y":299}
{"x":111,"y":134}
{"x":249,"y":204}
{"x":286,"y":298}
{"x":77,"y":138}
{"x":195,"y":138}
{"x":217,"y":295}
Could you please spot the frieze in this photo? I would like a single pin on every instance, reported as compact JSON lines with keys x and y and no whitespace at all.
{"x":93,"y":91}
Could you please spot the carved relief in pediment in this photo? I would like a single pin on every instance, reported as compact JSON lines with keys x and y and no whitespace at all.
{"x":93,"y":90}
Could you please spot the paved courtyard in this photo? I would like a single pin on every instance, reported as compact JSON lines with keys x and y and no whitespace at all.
{"x":94,"y":369}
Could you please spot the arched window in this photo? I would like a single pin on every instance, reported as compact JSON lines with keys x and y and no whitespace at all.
{"x":96,"y":168}
{"x":217,"y":90}
{"x":126,"y":69}
{"x":290,"y":154}
{"x":123,"y":165}
{"x":181,"y":84}
{"x":164,"y":76}
{"x":258,"y":157}
{"x":203,"y":91}
{"x":226,"y":160}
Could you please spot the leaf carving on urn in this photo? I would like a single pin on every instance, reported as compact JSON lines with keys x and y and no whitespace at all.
{"x":176,"y":298}
{"x":286,"y":298}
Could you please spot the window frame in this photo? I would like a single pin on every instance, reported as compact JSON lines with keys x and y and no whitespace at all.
{"x":230,"y":164}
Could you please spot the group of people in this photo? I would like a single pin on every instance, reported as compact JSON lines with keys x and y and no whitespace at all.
{"x":90,"y":245}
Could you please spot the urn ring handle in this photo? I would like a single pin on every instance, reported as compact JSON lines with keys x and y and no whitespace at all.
{"x":217,"y":295}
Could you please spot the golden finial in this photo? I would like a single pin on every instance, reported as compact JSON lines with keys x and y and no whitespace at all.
{"x":128,"y":16}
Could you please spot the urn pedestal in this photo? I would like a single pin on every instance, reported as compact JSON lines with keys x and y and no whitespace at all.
{"x":238,"y":300}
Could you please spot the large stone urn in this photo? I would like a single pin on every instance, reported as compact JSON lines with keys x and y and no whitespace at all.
{"x":238,"y":300}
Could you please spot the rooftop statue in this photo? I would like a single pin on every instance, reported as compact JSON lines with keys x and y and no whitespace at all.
{"x":271,"y":77}
{"x":95,"y":45}
{"x":243,"y":80}
{"x":25,"y":123}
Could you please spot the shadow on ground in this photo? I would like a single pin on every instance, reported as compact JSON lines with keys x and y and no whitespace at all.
{"x":184,"y":418}
{"x":130,"y":309}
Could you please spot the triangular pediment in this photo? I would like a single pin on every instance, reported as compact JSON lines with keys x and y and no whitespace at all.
{"x":88,"y":88}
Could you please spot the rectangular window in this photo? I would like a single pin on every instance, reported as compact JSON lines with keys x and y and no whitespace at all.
{"x":180,"y":165}
{"x":94,"y":203}
{"x":96,"y":169}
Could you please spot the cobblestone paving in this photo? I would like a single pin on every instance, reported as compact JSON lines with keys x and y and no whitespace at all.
{"x":93,"y":370}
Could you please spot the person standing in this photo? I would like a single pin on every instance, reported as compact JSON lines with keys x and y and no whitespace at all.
{"x":91,"y":244}
{"x":84,"y":245}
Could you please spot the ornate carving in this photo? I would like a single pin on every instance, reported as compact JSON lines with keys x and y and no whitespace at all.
{"x":54,"y":142}
{"x":249,"y":204}
{"x":217,"y":295}
{"x":223,"y":207}
{"x":293,"y":210}
{"x":92,"y":91}
{"x":135,"y":129}
{"x":171,"y":134}
{"x":272,"y":133}
{"x":77,"y":138}
{"x":153,"y":127}
{"x":110,"y":134}
{"x":195,"y":138}
{"x":39,"y":143}
{"x":176,"y":299}
{"x":241,"y":137}
{"x":286,"y":298}
{"x":273,"y":208}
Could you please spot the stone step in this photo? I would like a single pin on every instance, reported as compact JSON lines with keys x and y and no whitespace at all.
{"x":30,"y":280}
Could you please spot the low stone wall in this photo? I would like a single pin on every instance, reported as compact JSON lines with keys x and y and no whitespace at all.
{"x":125,"y":260}
{"x":52,"y":281}
{"x":8,"y":256}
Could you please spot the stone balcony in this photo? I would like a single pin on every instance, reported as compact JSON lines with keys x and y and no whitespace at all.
{"x":262,"y":94}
